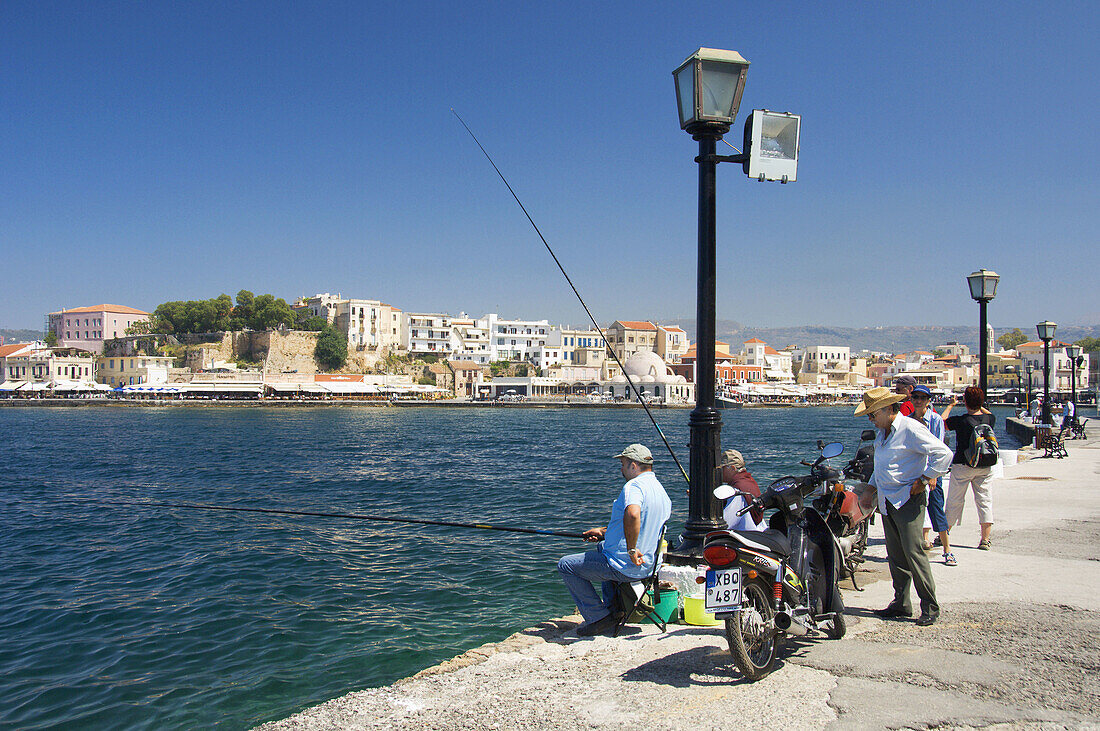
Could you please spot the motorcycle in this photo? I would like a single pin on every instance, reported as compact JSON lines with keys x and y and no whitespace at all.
{"x":769,"y":584}
{"x":848,"y":506}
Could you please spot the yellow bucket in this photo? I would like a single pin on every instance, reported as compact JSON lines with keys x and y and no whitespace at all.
{"x":694,"y":613}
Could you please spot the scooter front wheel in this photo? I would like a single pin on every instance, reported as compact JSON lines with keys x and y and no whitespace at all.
{"x":751,"y":634}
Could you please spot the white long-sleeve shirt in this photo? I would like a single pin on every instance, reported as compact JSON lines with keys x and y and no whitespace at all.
{"x":903,"y":453}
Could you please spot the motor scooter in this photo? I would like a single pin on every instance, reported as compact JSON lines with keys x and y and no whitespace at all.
{"x":769,"y":584}
{"x":848,"y":505}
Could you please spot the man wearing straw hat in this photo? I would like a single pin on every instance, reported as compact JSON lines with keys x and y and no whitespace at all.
{"x":908,"y":457}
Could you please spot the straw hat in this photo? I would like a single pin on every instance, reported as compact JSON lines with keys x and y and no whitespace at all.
{"x":876,"y":399}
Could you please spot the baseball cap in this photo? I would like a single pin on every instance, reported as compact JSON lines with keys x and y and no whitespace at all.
{"x":905,"y":381}
{"x":638,"y":453}
{"x":922,"y":389}
{"x":731,"y":457}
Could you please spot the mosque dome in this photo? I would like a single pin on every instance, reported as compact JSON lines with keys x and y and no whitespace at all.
{"x":648,"y":367}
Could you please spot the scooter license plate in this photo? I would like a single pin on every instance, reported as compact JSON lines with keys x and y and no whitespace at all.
{"x":723,"y":590}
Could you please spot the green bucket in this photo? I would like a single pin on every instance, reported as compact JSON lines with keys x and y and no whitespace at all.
{"x":668,"y":607}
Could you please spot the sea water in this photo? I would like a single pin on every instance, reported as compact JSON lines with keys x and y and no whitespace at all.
{"x":125,"y":617}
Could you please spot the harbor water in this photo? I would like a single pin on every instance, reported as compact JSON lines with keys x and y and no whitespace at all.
{"x":124,"y":617}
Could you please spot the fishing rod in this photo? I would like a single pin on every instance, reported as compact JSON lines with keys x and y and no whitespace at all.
{"x":554,"y":256}
{"x":349,"y":516}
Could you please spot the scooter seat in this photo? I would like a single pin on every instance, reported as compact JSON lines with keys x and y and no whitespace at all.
{"x":769,"y":540}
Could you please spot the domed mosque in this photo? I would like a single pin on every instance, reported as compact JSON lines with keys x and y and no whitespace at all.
{"x":653,"y":378}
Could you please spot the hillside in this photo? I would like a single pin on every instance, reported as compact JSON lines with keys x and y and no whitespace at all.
{"x":20,"y":336}
{"x":882,"y":339}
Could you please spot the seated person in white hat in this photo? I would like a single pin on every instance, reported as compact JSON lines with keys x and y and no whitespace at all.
{"x":627,"y":547}
{"x":744,"y":488}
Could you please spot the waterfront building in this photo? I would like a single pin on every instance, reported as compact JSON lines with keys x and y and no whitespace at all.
{"x":468,"y":376}
{"x":825,"y":364}
{"x":775,"y":364}
{"x":367,"y":324}
{"x":568,"y":346}
{"x":470,"y":340}
{"x":1001,"y":370}
{"x":49,"y":368}
{"x":516,"y":340}
{"x":14,"y":351}
{"x":85,"y":328}
{"x":428,"y":333}
{"x":1060,"y":372}
{"x":626,"y":337}
{"x":654,"y":379}
{"x":729,"y":370}
{"x":672,"y":343}
{"x":133,"y":370}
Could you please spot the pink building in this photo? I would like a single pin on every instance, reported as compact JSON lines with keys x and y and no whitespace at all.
{"x":87,"y":327}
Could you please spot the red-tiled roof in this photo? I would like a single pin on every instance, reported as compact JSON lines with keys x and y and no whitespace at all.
{"x":1039,"y":344}
{"x":754,"y":340}
{"x":769,"y":350}
{"x":671,"y":328}
{"x":637,"y":325}
{"x":120,"y":309}
{"x":6,"y":350}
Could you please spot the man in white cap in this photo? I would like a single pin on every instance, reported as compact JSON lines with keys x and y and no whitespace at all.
{"x":627,"y":547}
{"x":908,"y":457}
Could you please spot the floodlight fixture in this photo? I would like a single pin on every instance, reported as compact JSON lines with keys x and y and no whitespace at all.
{"x":771,"y":145}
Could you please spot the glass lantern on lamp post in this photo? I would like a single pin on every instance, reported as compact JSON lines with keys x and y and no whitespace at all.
{"x":1046,"y":330}
{"x":983,"y":288}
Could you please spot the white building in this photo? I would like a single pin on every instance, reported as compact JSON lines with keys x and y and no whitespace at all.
{"x":570,"y":347}
{"x":776,"y":364}
{"x":1060,"y":370}
{"x":470,"y":340}
{"x":516,"y":340}
{"x":428,"y":333}
{"x":48,"y":368}
{"x":367,"y":324}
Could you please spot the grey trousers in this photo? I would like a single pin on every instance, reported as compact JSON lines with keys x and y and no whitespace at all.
{"x":908,"y":561}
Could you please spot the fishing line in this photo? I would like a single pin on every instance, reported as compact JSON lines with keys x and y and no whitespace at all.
{"x":349,"y":516}
{"x":614,"y":355}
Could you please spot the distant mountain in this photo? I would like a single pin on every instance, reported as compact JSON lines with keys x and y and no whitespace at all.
{"x":881,"y":339}
{"x":20,"y":336}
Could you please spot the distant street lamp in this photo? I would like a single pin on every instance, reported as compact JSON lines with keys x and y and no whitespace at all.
{"x":1030,"y":369}
{"x":1019,"y":382}
{"x":709,"y":84}
{"x":1046,"y":330}
{"x":1074,"y":352}
{"x":983,"y":288}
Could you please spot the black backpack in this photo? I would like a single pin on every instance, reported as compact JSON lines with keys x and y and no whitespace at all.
{"x":982,"y":450}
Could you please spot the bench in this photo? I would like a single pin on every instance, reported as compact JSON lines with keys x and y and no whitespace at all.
{"x":1052,"y":443}
{"x":1077,"y":429}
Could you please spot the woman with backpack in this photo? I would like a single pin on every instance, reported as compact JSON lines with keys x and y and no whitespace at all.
{"x":975,"y":455}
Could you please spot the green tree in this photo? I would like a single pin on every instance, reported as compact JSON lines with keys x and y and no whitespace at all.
{"x":1089,"y":345}
{"x":51,"y":339}
{"x":1010,"y":340}
{"x":268,"y":312}
{"x":331,"y":352}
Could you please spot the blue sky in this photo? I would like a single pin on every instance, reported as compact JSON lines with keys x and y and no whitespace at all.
{"x":158,"y":151}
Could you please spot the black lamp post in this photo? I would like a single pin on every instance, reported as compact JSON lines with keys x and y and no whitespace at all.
{"x":1030,"y":369}
{"x":709,"y":84}
{"x":983,"y":288}
{"x":1019,"y":381}
{"x":1046,"y":330}
{"x":1074,"y":353}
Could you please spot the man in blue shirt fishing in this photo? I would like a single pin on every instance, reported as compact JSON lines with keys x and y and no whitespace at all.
{"x":908,"y":457}
{"x":627,"y":547}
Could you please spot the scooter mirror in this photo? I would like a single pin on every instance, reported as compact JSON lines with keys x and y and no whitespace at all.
{"x":867,"y":435}
{"x":724,"y":492}
{"x":832,"y":450}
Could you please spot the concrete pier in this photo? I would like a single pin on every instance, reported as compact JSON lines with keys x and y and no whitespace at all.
{"x":1017,"y":646}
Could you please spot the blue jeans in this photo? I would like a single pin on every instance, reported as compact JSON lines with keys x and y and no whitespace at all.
{"x":935,"y":507}
{"x":579,"y":571}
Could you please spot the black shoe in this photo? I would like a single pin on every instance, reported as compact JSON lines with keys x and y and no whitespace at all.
{"x":927,"y":618}
{"x":598,"y":627}
{"x":893,"y":610}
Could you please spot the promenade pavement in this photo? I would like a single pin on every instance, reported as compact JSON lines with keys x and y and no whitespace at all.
{"x":1017,"y":646}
